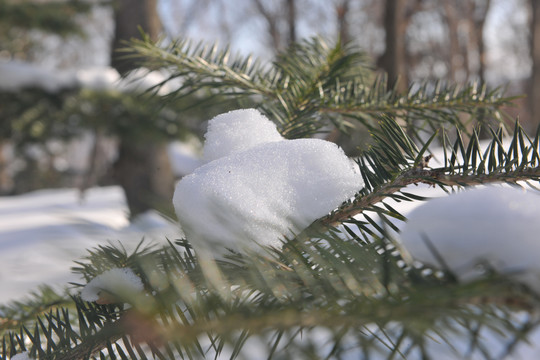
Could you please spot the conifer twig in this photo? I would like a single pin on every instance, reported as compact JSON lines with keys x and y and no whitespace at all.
{"x":426,"y":176}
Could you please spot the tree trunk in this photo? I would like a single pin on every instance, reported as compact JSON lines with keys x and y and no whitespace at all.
{"x":6,"y":183}
{"x":342,"y":10}
{"x":393,"y":59}
{"x":142,"y":169}
{"x":130,"y":15}
{"x":291,"y":19}
{"x":452,"y":18}
{"x":534,"y":87}
{"x":478,"y":18}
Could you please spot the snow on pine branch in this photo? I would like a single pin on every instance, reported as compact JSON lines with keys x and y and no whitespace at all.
{"x":22,"y":356}
{"x":113,"y":283}
{"x":495,"y":226}
{"x":257,"y":187}
{"x":19,"y":75}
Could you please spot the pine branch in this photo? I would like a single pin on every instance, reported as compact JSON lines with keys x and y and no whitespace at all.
{"x":93,"y":344}
{"x":328,"y":283}
{"x":358,"y":98}
{"x":20,"y":313}
{"x":436,"y":177}
{"x":314,"y":84}
{"x":56,"y":17}
{"x":426,"y":106}
{"x":201,"y":66}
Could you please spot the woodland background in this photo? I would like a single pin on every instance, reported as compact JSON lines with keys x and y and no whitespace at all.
{"x":494,"y":42}
{"x":72,"y":117}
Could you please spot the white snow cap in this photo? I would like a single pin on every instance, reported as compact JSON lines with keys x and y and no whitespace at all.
{"x":237,"y":131}
{"x":22,"y":356}
{"x":17,"y":75}
{"x":260,"y":187}
{"x":121,"y":281}
{"x":494,"y":225}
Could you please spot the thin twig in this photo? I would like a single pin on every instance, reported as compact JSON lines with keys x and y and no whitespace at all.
{"x":417,"y":176}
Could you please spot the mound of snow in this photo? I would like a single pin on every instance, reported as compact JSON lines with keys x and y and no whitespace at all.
{"x":117,"y":281}
{"x":260,"y":187}
{"x":237,"y":131}
{"x":493,"y":225}
{"x":22,"y":356}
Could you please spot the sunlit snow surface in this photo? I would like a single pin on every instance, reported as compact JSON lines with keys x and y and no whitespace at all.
{"x":22,"y":356}
{"x":495,"y":225}
{"x":237,"y":131}
{"x":264,"y":189}
{"x":121,"y":281}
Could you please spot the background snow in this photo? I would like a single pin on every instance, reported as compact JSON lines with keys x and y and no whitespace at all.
{"x":184,"y":156}
{"x":43,"y":232}
{"x":17,"y":75}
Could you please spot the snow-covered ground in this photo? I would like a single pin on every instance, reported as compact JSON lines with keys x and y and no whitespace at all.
{"x":43,"y":232}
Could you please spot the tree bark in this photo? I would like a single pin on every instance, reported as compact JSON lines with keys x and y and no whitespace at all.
{"x":342,"y":10}
{"x":6,"y":183}
{"x":131,"y":16}
{"x":144,"y":171}
{"x":452,"y":23}
{"x":142,"y":168}
{"x":291,"y":19}
{"x":478,"y":15}
{"x":534,"y":87}
{"x":393,"y":59}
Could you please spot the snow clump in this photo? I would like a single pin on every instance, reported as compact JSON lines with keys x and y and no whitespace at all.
{"x":116,"y":281}
{"x":237,"y":131}
{"x":22,"y":356}
{"x":256,"y":187}
{"x":493,"y":225}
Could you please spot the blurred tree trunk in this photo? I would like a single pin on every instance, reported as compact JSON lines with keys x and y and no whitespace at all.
{"x":280,"y":37}
{"x":342,"y":11}
{"x":142,"y":168}
{"x":452,"y":17}
{"x":6,"y":182}
{"x":129,"y":16}
{"x":478,"y":11}
{"x":534,"y":87}
{"x":392,"y":61}
{"x":291,"y":20}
